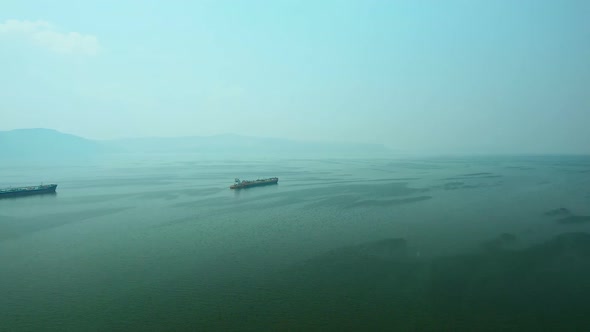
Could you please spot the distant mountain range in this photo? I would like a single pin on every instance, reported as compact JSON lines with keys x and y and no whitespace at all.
{"x":45,"y":144}
{"x":51,"y":144}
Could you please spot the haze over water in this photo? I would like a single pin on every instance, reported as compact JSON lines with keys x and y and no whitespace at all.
{"x":153,"y":244}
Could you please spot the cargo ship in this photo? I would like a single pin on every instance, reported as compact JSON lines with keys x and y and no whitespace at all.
{"x":26,"y":191}
{"x":247,"y":184}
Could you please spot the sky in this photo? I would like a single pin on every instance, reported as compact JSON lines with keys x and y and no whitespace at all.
{"x":441,"y":76}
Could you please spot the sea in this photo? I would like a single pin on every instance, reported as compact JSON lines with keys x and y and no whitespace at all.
{"x":440,"y":243}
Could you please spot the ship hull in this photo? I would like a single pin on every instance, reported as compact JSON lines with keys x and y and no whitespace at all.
{"x":18,"y":192}
{"x":251,"y":184}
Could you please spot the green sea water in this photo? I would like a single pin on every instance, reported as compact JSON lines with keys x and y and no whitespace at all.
{"x":406,"y":244}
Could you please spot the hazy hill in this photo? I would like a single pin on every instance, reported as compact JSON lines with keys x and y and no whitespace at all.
{"x":47,"y":144}
{"x":235,"y":144}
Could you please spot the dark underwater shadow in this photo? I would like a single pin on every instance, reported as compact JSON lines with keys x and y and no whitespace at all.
{"x":384,"y":286}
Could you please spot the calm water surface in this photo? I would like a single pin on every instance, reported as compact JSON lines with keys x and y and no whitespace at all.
{"x":339,"y":244}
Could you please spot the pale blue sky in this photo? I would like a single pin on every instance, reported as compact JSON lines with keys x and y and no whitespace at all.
{"x":441,"y":76}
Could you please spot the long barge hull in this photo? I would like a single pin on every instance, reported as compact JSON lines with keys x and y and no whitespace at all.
{"x":258,"y":183}
{"x":28,"y":191}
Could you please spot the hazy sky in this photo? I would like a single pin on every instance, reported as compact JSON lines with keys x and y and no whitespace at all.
{"x":487,"y":76}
